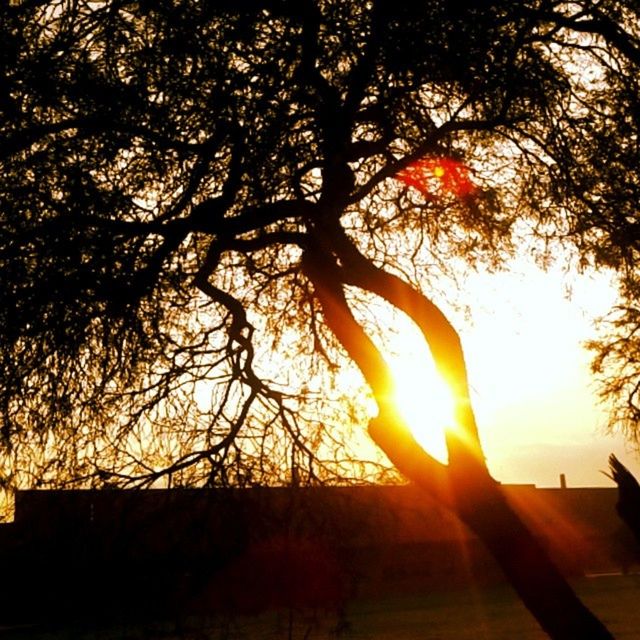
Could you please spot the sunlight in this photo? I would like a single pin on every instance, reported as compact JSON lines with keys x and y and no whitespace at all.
{"x":424,"y":399}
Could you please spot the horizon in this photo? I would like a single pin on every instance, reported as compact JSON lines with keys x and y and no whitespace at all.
{"x":561,"y":425}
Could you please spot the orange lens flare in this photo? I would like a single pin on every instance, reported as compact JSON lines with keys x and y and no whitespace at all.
{"x":438,"y":177}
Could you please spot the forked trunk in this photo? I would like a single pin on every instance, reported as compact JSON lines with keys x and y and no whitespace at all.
{"x":464,"y":485}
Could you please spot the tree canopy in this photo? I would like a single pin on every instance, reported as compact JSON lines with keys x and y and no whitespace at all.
{"x":165,"y":166}
{"x":201,"y":199}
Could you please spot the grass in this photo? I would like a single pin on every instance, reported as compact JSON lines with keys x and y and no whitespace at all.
{"x":488,"y":614}
{"x":492,"y":614}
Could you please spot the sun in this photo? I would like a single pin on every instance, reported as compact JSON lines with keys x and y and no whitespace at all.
{"x":423,"y":398}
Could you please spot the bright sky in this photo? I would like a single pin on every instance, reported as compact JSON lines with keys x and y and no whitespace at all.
{"x":534,"y":397}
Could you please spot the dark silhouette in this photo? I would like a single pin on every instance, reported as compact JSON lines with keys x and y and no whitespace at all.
{"x":187,"y":192}
{"x":170,"y":554}
{"x":628,"y":505}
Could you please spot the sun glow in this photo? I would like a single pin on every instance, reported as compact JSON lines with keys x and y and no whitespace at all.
{"x":438,"y":171}
{"x":423,"y":398}
{"x":438,"y":177}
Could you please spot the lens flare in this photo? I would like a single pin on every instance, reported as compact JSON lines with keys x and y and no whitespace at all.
{"x":422,"y":397}
{"x":438,"y":177}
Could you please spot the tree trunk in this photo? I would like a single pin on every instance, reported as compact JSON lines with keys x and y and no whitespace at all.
{"x":464,"y":485}
{"x":525,"y":563}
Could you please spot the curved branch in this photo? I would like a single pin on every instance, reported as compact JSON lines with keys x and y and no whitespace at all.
{"x":209,"y":216}
{"x":240,"y":329}
{"x":463,"y":443}
{"x":598,"y":24}
{"x":388,"y":430}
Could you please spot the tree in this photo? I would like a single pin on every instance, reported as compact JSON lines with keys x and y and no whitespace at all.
{"x":189,"y":187}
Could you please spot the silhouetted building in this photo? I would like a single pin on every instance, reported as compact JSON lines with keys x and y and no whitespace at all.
{"x":111,"y":551}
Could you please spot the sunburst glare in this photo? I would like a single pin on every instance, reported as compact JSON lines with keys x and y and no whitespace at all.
{"x":423,"y":398}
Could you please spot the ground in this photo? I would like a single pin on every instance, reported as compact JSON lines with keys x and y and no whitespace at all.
{"x":462,"y":614}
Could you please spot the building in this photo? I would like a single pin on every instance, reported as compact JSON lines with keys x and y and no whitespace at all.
{"x":175,"y":551}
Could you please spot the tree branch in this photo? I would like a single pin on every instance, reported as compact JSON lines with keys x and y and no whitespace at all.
{"x":600,"y":25}
{"x":443,"y":340}
{"x":208,"y":216}
{"x":469,"y":491}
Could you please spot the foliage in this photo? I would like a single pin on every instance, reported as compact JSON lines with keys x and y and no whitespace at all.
{"x":165,"y":164}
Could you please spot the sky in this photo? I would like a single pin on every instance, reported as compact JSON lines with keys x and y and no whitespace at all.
{"x":535,"y":399}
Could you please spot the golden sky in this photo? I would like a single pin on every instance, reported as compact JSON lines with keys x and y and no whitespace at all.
{"x":534,"y":397}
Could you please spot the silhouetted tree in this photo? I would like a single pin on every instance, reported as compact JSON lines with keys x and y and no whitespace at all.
{"x":190,"y":187}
